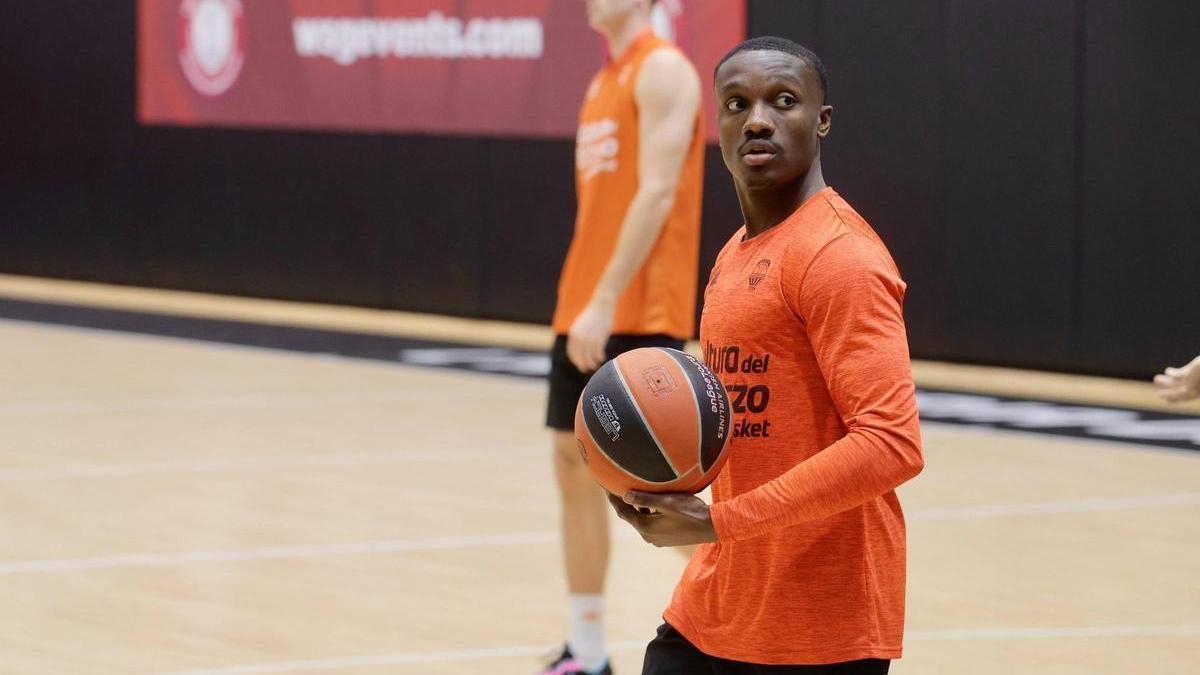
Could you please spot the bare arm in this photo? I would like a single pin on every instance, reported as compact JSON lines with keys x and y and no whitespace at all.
{"x":667,"y":93}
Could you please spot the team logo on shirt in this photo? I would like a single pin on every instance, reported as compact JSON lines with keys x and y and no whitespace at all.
{"x":759,"y":273}
{"x":596,"y":148}
{"x":744,"y":374}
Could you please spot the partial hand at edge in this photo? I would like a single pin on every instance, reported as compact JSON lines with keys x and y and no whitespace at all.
{"x":1179,"y":384}
{"x":588,"y":336}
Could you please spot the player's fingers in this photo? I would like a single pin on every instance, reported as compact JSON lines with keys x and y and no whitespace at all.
{"x":575,"y":355}
{"x":635,"y":498}
{"x":624,"y":511}
{"x":1174,"y":372}
{"x":647,"y":500}
{"x":1163,"y":380}
{"x":577,"y":351}
{"x":586,"y":363}
{"x":617,"y":504}
{"x":598,"y":351}
{"x":593,"y":354}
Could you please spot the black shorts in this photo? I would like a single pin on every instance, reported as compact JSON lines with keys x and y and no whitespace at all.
{"x":669,"y":653}
{"x":567,"y":382}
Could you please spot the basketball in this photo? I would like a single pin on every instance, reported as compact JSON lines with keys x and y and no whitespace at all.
{"x":654,"y":420}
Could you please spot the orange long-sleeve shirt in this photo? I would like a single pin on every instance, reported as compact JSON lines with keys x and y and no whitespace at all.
{"x":803,"y":324}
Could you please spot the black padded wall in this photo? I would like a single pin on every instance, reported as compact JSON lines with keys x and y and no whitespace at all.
{"x":1028,"y":165}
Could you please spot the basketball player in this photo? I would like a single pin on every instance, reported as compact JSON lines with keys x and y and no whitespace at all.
{"x":1179,"y":384}
{"x":801,"y":566}
{"x":629,"y":279}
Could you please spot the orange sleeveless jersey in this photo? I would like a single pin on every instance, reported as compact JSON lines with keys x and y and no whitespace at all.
{"x":803,"y":325}
{"x":661,"y":296}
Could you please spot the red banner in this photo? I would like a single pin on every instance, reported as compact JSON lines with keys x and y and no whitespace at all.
{"x":481,"y":67}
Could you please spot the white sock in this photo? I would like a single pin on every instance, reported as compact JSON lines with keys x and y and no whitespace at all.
{"x":587,"y":631}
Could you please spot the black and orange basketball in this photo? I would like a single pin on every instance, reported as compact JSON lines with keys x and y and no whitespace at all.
{"x":654,"y":420}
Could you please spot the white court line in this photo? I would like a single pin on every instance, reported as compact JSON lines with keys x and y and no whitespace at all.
{"x":637,"y":645}
{"x":514,"y":538}
{"x":497,"y":452}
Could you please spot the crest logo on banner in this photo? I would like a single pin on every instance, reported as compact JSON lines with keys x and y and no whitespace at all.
{"x":212,"y":44}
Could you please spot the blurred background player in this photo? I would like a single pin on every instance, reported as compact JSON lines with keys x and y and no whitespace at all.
{"x":629,"y":279}
{"x":1179,"y":384}
{"x":808,"y":574}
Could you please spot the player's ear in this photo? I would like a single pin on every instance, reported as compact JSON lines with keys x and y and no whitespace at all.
{"x":824,"y":120}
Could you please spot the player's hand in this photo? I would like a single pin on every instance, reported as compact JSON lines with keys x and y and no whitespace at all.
{"x":589,"y":335}
{"x":1179,"y":384}
{"x":670,"y":519}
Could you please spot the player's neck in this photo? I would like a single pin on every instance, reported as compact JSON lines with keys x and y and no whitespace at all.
{"x":622,"y":36}
{"x":766,"y":208}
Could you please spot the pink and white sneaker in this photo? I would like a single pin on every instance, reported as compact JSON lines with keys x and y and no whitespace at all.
{"x":566,"y":664}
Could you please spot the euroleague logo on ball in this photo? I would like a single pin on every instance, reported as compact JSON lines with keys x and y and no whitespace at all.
{"x":212,"y":38}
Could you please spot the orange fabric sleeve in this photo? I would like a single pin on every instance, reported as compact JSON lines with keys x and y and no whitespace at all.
{"x":850,"y":303}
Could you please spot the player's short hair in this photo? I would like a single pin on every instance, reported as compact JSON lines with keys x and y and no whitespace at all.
{"x":771,"y":43}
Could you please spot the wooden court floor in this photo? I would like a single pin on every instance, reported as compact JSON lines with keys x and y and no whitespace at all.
{"x":175,"y":507}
